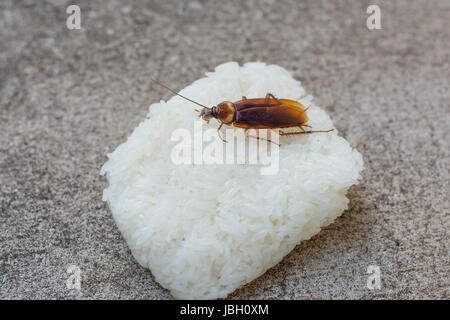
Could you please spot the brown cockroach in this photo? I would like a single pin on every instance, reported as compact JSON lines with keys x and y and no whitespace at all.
{"x":258,"y":113}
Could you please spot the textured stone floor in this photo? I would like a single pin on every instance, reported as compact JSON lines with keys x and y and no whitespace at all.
{"x":67,"y":97}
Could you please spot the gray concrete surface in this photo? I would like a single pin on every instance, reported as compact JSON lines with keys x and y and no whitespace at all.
{"x":67,"y":97}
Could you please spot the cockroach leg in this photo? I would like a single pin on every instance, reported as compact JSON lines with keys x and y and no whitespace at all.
{"x":271,"y":96}
{"x":218,"y":132}
{"x":258,"y":138}
{"x":293,"y":133}
{"x":304,"y":132}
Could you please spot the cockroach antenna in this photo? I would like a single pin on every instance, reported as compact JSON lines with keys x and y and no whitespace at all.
{"x":173,"y":91}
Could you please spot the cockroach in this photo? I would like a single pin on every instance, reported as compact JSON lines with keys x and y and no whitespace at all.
{"x":256,"y":113}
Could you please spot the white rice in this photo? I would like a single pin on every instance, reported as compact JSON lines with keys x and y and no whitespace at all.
{"x":206,"y":230}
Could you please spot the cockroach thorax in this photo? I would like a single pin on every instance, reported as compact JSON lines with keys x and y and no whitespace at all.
{"x":225,"y":112}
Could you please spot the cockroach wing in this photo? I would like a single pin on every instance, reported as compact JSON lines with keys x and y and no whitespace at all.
{"x":271,"y":117}
{"x":264,"y":102}
{"x":255,"y":103}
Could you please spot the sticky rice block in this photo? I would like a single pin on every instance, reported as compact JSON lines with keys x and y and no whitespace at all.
{"x":205,"y":230}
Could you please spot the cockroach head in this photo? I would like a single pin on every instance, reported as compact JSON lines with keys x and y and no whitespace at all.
{"x":207,"y":113}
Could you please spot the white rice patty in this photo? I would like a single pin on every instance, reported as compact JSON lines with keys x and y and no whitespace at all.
{"x":206,"y":230}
